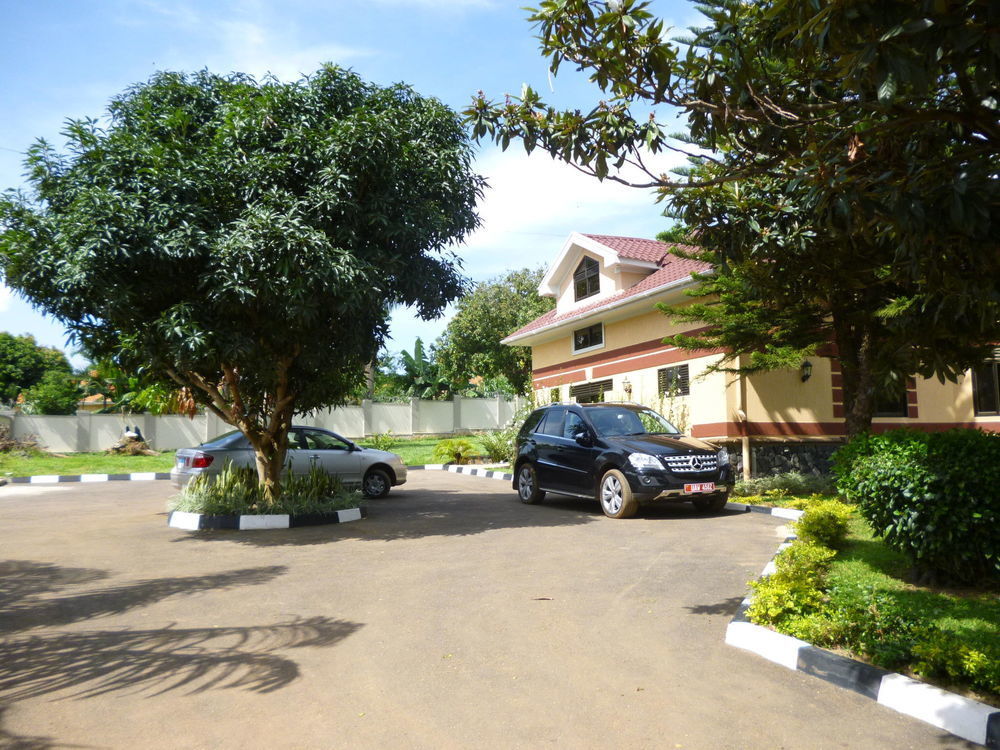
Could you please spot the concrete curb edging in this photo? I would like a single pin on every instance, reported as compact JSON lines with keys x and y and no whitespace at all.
{"x":178,"y":519}
{"x":962,"y":717}
{"x":140,"y":476}
{"x":465,"y":469}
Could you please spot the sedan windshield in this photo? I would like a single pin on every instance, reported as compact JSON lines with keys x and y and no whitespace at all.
{"x":612,"y":421}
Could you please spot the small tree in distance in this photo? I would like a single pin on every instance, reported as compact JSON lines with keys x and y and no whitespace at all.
{"x":246,"y":240}
{"x":470,"y":345}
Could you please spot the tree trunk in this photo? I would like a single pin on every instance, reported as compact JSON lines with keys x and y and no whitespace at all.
{"x":854,"y":350}
{"x":270,"y":462}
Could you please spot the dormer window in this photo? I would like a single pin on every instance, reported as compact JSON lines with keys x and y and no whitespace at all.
{"x":586,"y":279}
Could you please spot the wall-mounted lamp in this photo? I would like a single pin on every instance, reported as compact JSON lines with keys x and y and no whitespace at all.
{"x":627,"y":386}
{"x":807,"y":370}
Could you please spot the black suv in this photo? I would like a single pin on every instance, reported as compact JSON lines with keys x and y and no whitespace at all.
{"x":620,"y":454}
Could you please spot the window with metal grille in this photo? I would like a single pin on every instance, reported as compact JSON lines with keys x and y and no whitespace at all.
{"x":555,"y":395}
{"x":586,"y":279}
{"x":590,"y":393}
{"x":986,"y":387}
{"x":588,"y":338}
{"x":674,"y":381}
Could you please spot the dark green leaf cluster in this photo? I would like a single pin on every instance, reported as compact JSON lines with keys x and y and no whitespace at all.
{"x":246,"y":239}
{"x":23,"y":363}
{"x":932,"y":496}
{"x":57,"y":392}
{"x":470,"y":345}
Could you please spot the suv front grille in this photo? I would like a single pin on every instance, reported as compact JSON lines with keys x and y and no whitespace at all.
{"x":696,"y":463}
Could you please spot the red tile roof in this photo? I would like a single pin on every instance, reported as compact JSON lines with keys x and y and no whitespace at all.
{"x":672,"y":269}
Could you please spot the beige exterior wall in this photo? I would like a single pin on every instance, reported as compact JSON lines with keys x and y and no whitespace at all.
{"x":617,"y":334}
{"x":781,"y":396}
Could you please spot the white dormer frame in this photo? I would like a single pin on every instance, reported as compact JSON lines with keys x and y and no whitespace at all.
{"x":569,"y":258}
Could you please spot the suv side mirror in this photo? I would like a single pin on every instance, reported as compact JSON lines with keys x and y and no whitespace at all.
{"x":583,"y":438}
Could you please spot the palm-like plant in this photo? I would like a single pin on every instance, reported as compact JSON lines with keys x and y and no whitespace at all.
{"x":422,"y":375}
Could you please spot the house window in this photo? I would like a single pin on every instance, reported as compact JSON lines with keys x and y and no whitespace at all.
{"x":588,"y":338}
{"x":586,"y":279}
{"x":891,"y":402}
{"x":590,"y":393}
{"x":554,"y":395}
{"x":674,"y":381}
{"x":986,"y":388}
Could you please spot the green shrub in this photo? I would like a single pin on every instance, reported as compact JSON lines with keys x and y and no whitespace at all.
{"x":237,"y":491}
{"x":933,"y":496}
{"x":454,"y":451}
{"x":941,"y":654}
{"x":382,"y":441}
{"x":789,"y":483}
{"x":499,"y":445}
{"x":825,"y":523}
{"x":795,"y":589}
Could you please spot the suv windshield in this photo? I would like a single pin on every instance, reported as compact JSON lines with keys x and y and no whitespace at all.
{"x":610,"y":421}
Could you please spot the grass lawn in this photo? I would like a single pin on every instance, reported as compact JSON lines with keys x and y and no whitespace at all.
{"x":414,"y":451}
{"x":82,"y":463}
{"x":420,"y":451}
{"x":947,"y":636}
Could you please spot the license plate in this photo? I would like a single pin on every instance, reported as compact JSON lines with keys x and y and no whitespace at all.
{"x":699,"y":487}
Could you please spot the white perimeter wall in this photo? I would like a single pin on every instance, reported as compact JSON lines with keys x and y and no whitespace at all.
{"x":97,"y":432}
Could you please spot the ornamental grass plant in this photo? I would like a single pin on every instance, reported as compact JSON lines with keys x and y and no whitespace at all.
{"x":237,"y":491}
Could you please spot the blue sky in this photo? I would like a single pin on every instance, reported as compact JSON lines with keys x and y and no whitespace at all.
{"x":65,"y":59}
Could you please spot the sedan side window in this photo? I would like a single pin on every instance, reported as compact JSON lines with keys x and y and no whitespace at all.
{"x":320,"y":441}
{"x":294,"y":440}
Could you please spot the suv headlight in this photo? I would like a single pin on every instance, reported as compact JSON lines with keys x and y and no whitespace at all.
{"x":723,"y":457}
{"x":644,"y":461}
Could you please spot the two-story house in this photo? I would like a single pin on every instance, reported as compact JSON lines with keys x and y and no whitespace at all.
{"x":604,"y":341}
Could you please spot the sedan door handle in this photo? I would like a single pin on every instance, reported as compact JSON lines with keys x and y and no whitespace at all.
{"x":314,"y":457}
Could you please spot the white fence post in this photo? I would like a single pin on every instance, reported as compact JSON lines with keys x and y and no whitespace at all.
{"x":456,"y":412}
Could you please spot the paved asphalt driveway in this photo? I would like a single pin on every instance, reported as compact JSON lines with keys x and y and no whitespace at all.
{"x":453,"y":617}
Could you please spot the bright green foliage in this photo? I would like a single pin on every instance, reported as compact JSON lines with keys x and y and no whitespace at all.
{"x":791,"y":483}
{"x":454,"y":451}
{"x":23,"y":363}
{"x":422,"y":375}
{"x":932,"y":496}
{"x":382,"y":441}
{"x":470,"y":345}
{"x":236,"y":491}
{"x":57,"y":393}
{"x":499,"y":445}
{"x":795,"y":589}
{"x":850,"y":192}
{"x":246,"y":240}
{"x":825,"y":523}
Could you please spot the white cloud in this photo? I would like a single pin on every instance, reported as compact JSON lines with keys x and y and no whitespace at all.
{"x":247,"y":37}
{"x":534,"y":202}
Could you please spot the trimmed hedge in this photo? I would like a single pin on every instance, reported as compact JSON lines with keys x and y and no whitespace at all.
{"x":933,"y":496}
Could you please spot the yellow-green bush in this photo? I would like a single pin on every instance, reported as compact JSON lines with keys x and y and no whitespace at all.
{"x":825,"y":523}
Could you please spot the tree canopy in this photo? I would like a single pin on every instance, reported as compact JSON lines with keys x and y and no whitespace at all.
{"x":245,"y":240}
{"x":470,"y":345}
{"x":845,"y":158}
{"x":23,"y":363}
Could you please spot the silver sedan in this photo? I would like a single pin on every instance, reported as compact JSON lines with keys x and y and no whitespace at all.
{"x":373,"y":470}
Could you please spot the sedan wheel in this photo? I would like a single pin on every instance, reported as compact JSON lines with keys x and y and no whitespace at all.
{"x":615,"y":494}
{"x":376,"y":484}
{"x":527,"y":485}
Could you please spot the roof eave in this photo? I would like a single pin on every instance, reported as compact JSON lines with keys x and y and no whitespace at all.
{"x":516,"y":340}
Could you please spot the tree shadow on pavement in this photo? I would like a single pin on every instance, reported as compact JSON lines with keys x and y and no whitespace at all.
{"x":417,"y":515}
{"x":86,"y":664}
{"x":92,"y":663}
{"x":22,"y":582}
{"x":727,"y":607}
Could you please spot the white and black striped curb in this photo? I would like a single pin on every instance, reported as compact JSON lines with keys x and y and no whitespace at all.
{"x":471,"y":470}
{"x":142,"y":476}
{"x":789,"y":513}
{"x":961,"y":716}
{"x":151,"y":475}
{"x":178,"y":519}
